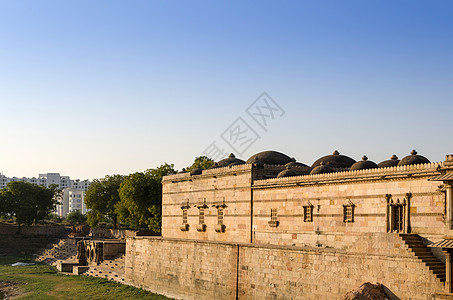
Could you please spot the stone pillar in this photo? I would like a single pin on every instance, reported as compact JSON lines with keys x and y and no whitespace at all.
{"x":448,"y":283}
{"x":407,"y":212}
{"x":449,"y":204}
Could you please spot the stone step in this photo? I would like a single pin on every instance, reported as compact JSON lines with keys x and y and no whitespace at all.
{"x":422,"y":252}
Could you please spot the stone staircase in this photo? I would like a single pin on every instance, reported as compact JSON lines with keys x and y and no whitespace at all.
{"x":109,"y":269}
{"x":415,"y":244}
{"x":64,"y":249}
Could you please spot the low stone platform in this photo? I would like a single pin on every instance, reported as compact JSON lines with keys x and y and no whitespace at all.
{"x":64,"y":266}
{"x":78,"y":270}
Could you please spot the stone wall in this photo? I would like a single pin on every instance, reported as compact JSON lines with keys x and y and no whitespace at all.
{"x":182,"y":269}
{"x":249,"y":199}
{"x":108,"y":233}
{"x":225,"y":186}
{"x":207,"y":270}
{"x":47,"y":230}
{"x":327,"y":227}
{"x":31,"y":239}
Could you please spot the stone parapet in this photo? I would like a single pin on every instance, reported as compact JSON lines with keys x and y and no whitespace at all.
{"x":429,"y":169}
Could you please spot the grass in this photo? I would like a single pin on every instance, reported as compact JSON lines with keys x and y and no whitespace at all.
{"x":44,"y":282}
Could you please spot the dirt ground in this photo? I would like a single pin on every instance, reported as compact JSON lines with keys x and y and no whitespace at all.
{"x":11,"y":289}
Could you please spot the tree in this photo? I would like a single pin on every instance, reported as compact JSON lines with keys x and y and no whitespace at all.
{"x":202,"y":162}
{"x":101,"y":198}
{"x":163,"y":170}
{"x":28,"y":203}
{"x":141,"y":198}
{"x":2,"y":204}
{"x":75,"y":218}
{"x":45,"y":201}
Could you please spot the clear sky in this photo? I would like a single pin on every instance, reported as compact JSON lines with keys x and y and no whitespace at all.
{"x":89,"y":88}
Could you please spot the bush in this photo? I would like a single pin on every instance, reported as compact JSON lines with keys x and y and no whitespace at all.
{"x":75,"y":218}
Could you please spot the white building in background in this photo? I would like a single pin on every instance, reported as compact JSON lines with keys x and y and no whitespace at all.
{"x":73,"y":191}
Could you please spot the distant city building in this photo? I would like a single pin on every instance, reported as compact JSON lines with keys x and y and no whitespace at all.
{"x":73,"y":191}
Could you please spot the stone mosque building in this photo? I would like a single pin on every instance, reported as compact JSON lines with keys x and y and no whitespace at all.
{"x":274,"y":228}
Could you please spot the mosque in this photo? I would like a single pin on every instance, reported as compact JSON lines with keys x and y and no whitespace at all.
{"x":397,"y":209}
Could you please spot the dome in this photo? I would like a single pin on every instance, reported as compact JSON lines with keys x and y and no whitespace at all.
{"x":214,"y":166}
{"x":393,"y":161}
{"x":322,"y":168}
{"x":287,"y":173}
{"x":364,"y":164}
{"x":294,"y":163}
{"x":301,"y":170}
{"x":336,"y":160}
{"x":229,"y":161}
{"x":413,"y":159}
{"x":270,"y":158}
{"x":196,"y":171}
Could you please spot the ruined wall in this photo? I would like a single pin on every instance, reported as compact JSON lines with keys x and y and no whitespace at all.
{"x":207,"y":270}
{"x":229,"y":186}
{"x":47,"y":230}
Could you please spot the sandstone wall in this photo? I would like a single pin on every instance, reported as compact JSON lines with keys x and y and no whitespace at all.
{"x":213,"y":270}
{"x":229,"y":186}
{"x":426,"y":211}
{"x":249,"y":202}
{"x":48,"y":230}
{"x":182,"y":269}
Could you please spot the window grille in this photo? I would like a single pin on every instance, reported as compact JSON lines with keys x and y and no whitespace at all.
{"x":201,"y":216}
{"x":220,"y":216}
{"x":348,"y":212}
{"x":308,"y":213}
{"x":184,"y":216}
{"x":273,"y":222}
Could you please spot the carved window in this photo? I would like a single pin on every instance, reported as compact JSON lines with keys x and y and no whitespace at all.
{"x":220,"y":216}
{"x":184,"y":216}
{"x":185,"y":225}
{"x":348,"y":212}
{"x":308,"y":213}
{"x":201,"y":216}
{"x":273,"y":214}
{"x":273,"y":222}
{"x":220,"y":227}
{"x":201,"y":220}
{"x":398,"y":214}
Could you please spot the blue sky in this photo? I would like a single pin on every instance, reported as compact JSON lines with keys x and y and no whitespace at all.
{"x":89,"y":88}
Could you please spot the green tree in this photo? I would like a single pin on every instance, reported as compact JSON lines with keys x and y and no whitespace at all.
{"x":163,"y":170}
{"x":141,"y":198}
{"x":202,"y":162}
{"x":45,"y":201}
{"x":27,"y":203}
{"x":2,"y":204}
{"x":75,"y":218}
{"x":101,"y":198}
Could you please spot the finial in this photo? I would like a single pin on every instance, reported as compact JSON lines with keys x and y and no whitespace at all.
{"x":364,"y":158}
{"x":231,"y":155}
{"x":293,"y":159}
{"x":183,"y":169}
{"x":413,"y":152}
{"x":336,"y":152}
{"x":394,"y":157}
